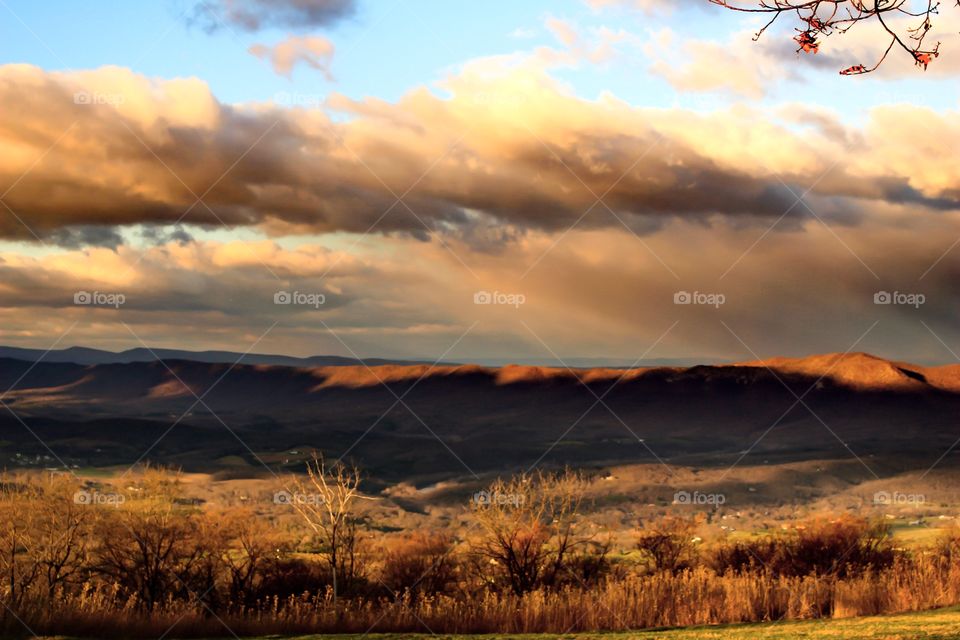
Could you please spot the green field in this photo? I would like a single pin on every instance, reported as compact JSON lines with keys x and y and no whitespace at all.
{"x":941,"y":624}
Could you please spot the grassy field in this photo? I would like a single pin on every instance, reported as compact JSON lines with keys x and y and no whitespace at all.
{"x":940,"y":624}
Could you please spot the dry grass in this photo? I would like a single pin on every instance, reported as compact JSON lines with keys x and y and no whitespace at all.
{"x":693,"y":597}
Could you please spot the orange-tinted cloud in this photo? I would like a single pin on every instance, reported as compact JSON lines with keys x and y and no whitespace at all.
{"x":511,"y":147}
{"x":311,"y":51}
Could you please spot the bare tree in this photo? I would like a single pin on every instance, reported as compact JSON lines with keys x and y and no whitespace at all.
{"x":817,"y":19}
{"x":253,"y":549}
{"x":62,"y":531}
{"x":20,"y":570}
{"x":153,"y":553}
{"x":325,"y":500}
{"x":530,"y":527}
{"x":669,"y":543}
{"x":44,"y":536}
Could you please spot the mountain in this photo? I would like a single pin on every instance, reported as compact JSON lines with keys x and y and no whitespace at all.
{"x":403,"y":421}
{"x":83,"y":355}
{"x":864,"y":371}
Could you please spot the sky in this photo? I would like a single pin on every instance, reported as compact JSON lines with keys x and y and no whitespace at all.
{"x":565,"y":182}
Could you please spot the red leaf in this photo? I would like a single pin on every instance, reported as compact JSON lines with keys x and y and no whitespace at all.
{"x":807,"y":41}
{"x":924,"y":58}
{"x":856,"y":69}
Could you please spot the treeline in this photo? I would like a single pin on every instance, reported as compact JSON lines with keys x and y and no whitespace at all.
{"x":529,"y":560}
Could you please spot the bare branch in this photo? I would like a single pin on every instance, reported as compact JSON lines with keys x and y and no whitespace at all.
{"x":820,"y":19}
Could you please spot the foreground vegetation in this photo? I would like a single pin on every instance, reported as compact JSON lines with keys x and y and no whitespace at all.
{"x":138,"y":560}
{"x":941,"y":624}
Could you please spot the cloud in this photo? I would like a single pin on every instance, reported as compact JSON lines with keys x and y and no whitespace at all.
{"x":738,"y":65}
{"x":255,"y":15}
{"x":76,"y":237}
{"x":791,"y":293}
{"x":510,"y":147}
{"x":312,"y":51}
{"x":600,"y":46}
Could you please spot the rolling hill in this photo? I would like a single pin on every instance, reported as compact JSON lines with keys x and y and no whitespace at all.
{"x":401,"y":420}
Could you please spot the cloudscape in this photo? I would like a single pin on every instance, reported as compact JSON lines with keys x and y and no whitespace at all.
{"x":595,"y":158}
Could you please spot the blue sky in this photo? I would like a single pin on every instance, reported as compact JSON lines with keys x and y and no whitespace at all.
{"x":389,"y":46}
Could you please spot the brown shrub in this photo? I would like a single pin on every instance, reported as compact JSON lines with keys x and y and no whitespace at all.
{"x":841,"y":547}
{"x":421,"y":563}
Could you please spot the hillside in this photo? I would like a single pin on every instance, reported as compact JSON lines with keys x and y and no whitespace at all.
{"x":459,"y":418}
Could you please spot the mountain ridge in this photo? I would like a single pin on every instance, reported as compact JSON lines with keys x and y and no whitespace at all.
{"x":399,"y":420}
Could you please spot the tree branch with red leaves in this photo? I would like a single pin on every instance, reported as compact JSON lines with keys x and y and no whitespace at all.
{"x":818,"y":19}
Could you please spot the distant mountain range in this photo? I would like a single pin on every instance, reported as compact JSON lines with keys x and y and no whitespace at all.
{"x":84,"y":355}
{"x":419,"y":422}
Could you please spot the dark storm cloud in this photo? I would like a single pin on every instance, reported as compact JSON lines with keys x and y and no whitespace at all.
{"x":254,"y":15}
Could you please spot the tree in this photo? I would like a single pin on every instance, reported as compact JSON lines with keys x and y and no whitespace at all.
{"x":325,"y":500}
{"x":19,"y":569}
{"x":44,"y":536}
{"x":154,"y":549}
{"x":819,"y":19}
{"x":61,"y":534}
{"x":155,"y":552}
{"x":669,"y":543}
{"x":530,"y":527}
{"x":253,"y":550}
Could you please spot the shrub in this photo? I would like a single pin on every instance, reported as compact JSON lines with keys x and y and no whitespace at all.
{"x":669,"y":543}
{"x":421,"y":563}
